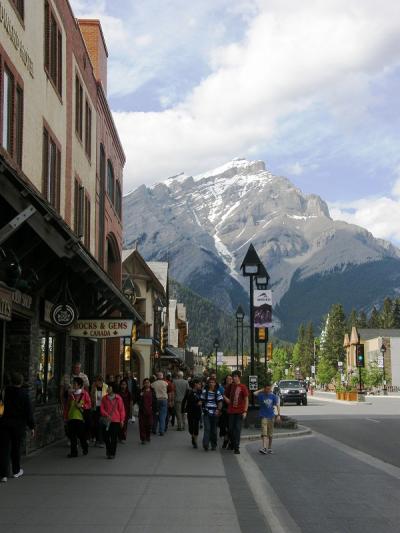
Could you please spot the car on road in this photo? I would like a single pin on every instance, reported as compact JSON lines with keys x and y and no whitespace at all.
{"x":292,"y":391}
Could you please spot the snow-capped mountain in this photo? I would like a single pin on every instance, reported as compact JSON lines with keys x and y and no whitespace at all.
{"x":204,"y":225}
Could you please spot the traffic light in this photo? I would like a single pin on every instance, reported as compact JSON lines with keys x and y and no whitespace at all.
{"x":360,"y":360}
{"x":269,"y":351}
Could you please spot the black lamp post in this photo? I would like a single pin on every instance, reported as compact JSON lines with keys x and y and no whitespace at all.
{"x":383,"y":351}
{"x":216,"y":345}
{"x":239,"y":321}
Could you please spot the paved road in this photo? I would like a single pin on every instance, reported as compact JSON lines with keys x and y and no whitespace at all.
{"x":345,"y":477}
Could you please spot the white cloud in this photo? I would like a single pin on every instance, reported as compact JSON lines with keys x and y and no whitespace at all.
{"x":381,"y":216}
{"x":295,"y":169}
{"x":293,"y":55}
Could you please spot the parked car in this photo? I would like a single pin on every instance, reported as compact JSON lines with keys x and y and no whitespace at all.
{"x":292,"y":391}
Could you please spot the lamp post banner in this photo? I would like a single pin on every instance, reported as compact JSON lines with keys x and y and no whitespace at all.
{"x":262,"y":308}
{"x":102,"y":328}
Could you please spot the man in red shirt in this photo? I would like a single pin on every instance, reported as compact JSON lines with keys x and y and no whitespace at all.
{"x":237,"y":398}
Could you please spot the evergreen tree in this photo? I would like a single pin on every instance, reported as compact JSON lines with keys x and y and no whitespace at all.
{"x":299,"y":351}
{"x":362,"y":320}
{"x":308,"y":359}
{"x":374,"y":319}
{"x":396,"y":313}
{"x":353,"y":320}
{"x":386,"y":314}
{"x":332,"y":348}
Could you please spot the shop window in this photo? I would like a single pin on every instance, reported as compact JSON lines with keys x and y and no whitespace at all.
{"x":51,"y":169}
{"x":46,"y":386}
{"x":110,"y":181}
{"x":52,"y":48}
{"x":88,"y":129}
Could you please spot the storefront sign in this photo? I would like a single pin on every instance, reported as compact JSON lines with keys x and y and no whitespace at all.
{"x":22,"y":299}
{"x":5,"y":21}
{"x":63,"y":314}
{"x":5,"y":304}
{"x":105,"y":328}
{"x":262,"y":309}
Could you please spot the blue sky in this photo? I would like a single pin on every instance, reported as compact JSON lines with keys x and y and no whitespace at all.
{"x":310,"y":87}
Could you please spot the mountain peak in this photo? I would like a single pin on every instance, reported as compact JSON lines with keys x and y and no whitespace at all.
{"x":239,"y":165}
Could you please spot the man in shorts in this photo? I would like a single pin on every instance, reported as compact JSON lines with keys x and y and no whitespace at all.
{"x":267,"y":401}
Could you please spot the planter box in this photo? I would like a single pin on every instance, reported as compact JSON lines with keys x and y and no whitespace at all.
{"x":353,"y":396}
{"x":346,"y":396}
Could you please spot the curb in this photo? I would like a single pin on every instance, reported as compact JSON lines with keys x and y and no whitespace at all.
{"x":301,"y":432}
{"x":342,"y":402}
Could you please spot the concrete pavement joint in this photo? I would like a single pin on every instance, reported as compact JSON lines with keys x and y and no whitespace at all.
{"x":272,"y":508}
{"x":289,"y":434}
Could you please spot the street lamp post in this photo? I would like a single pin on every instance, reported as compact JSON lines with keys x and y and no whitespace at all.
{"x":239,"y":320}
{"x":253,"y":268}
{"x":383,"y":351}
{"x":216,"y":345}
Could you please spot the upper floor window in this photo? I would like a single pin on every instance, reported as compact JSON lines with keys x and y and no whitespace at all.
{"x":78,"y":107}
{"x":87,"y":222}
{"x":110,"y":181}
{"x":52,"y":47}
{"x":79,"y":206}
{"x":12,"y":112}
{"x":19,"y":7}
{"x":51,"y":170}
{"x":118,"y":199}
{"x":88,"y":129}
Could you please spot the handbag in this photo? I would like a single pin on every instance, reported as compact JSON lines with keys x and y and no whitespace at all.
{"x":105,"y":421}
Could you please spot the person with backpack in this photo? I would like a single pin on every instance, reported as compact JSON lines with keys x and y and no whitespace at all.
{"x":191,"y":404}
{"x":212,"y":404}
{"x":112,"y":417}
{"x":16,"y":416}
{"x":77,"y":403}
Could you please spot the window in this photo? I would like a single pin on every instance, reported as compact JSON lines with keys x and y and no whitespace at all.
{"x":88,"y":129}
{"x":79,"y":206}
{"x":118,"y":200}
{"x":12,"y":105}
{"x":87,"y":222}
{"x":51,"y":170}
{"x":19,"y":7}
{"x":78,"y":107}
{"x":8,"y":111}
{"x":110,"y":180}
{"x":52,"y":48}
{"x":46,"y":380}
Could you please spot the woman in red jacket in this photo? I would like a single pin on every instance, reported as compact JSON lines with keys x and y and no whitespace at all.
{"x":113,"y":412}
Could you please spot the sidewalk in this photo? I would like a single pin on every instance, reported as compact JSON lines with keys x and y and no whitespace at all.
{"x":165,"y":486}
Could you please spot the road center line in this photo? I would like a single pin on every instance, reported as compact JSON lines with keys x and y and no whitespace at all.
{"x":370,"y":460}
{"x":272,"y":508}
{"x":373,"y":420}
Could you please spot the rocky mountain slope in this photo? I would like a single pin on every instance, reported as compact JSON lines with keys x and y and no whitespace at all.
{"x":204,"y":225}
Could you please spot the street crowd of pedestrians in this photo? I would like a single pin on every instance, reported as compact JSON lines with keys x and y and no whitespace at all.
{"x":99,"y":414}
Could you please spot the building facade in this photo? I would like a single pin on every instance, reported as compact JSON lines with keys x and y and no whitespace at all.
{"x":61,"y":166}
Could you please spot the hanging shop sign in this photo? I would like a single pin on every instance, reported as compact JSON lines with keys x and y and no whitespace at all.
{"x":5,"y":304}
{"x":262,"y":309}
{"x":63,"y":314}
{"x":253,"y":383}
{"x":103,"y":328}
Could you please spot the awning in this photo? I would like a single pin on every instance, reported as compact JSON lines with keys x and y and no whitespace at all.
{"x":174,"y":353}
{"x":49,"y":226}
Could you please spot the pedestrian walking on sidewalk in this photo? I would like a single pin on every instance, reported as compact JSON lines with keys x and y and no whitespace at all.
{"x":113,"y":418}
{"x":181,"y":388}
{"x":78,"y":402}
{"x":127,"y":399}
{"x":17,"y":415}
{"x":97,"y":393}
{"x":237,"y":398}
{"x":192,"y":405}
{"x":268,"y":401}
{"x":223,"y":421}
{"x":147,"y":410}
{"x":171,"y":402}
{"x":212,"y":404}
{"x":160,"y":387}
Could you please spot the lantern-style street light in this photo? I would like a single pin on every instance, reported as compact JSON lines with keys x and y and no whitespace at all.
{"x":239,"y":322}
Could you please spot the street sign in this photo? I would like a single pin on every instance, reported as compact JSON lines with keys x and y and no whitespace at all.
{"x":253,"y":383}
{"x":380,"y":361}
{"x":220,"y":358}
{"x":312,"y":369}
{"x":286,"y":371}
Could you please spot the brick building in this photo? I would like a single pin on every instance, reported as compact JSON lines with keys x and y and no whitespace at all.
{"x":61,"y":164}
